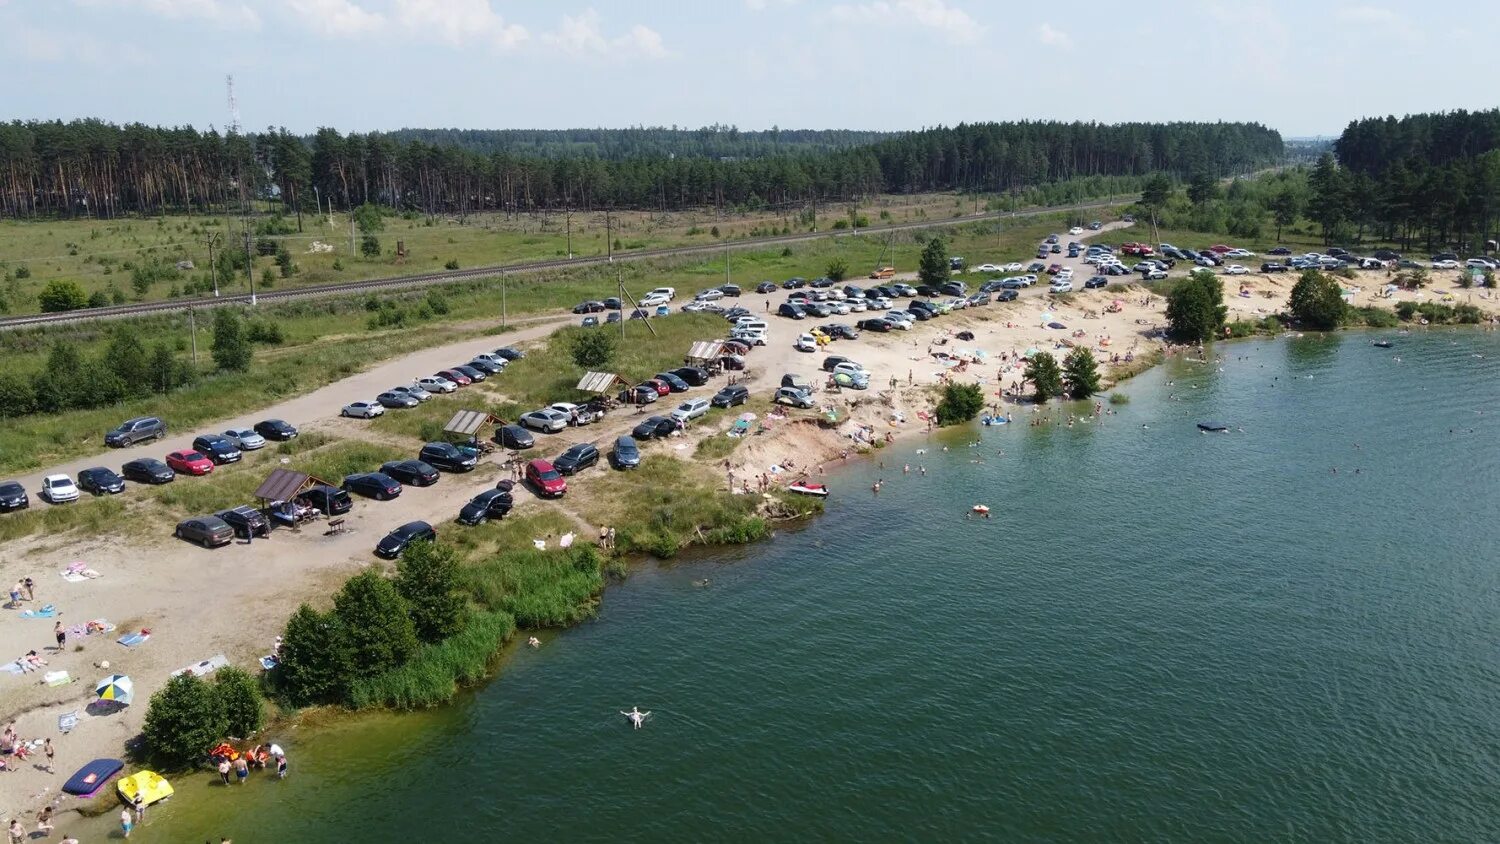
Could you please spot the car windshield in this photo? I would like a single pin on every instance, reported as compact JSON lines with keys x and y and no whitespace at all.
{"x":193,"y":455}
{"x":549,"y":475}
{"x":10,"y":488}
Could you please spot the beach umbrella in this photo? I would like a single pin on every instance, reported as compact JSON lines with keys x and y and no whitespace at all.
{"x":1046,"y":316}
{"x":116,"y":687}
{"x":748,"y":417}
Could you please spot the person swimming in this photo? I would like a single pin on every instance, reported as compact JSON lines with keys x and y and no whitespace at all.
{"x":636,"y":716}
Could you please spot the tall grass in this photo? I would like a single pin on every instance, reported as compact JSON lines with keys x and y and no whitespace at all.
{"x":436,"y":672}
{"x":667,"y":504}
{"x":552,"y":588}
{"x":100,"y":516}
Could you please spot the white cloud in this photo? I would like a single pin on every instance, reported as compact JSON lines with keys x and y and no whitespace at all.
{"x":1054,"y":37}
{"x":952,"y":22}
{"x":581,"y":35}
{"x":1371,"y":16}
{"x":459,"y":22}
{"x":337,"y":18}
{"x":225,"y":13}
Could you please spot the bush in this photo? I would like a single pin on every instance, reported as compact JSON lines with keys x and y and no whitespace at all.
{"x":97,"y":299}
{"x":435,"y":673}
{"x":1119,"y":398}
{"x":265,"y":331}
{"x":239,"y":695}
{"x":427,"y":579}
{"x":960,"y":403}
{"x":60,"y":295}
{"x":185,"y":719}
{"x":315,"y":662}
{"x":377,"y":621}
{"x":23,"y":272}
{"x":1317,"y":301}
{"x":231,"y":349}
{"x":1195,"y":309}
{"x":451,"y":265}
{"x":437,"y":303}
{"x":593,"y":349}
{"x":838,"y":269}
{"x":839,"y":225}
{"x":369,"y":246}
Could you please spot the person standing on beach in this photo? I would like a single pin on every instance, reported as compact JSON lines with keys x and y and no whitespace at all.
{"x":127,"y":821}
{"x":47,"y":749}
{"x":17,"y":832}
{"x":139,"y":804}
{"x":61,"y":634}
{"x":30,"y":588}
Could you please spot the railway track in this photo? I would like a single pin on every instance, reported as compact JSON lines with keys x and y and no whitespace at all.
{"x":450,"y":276}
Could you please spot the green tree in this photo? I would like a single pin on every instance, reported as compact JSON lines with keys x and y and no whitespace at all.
{"x":427,"y":578}
{"x":369,"y":246}
{"x":126,"y":357}
{"x":284,"y":262}
{"x":1195,"y":309}
{"x":185,"y":719}
{"x":98,"y":299}
{"x":381,"y":633}
{"x":231,"y":349}
{"x":16,"y":396}
{"x":1202,"y":189}
{"x":239,"y":695}
{"x":166,"y":373}
{"x":368,"y":218}
{"x":1286,"y":207}
{"x":933,"y":268}
{"x":62,"y":295}
{"x":593,"y":349}
{"x":1045,"y":376}
{"x":316,"y":663}
{"x":56,"y":387}
{"x":1329,"y":203}
{"x":1081,"y":373}
{"x":960,"y":403}
{"x":1316,"y":301}
{"x":838,"y":269}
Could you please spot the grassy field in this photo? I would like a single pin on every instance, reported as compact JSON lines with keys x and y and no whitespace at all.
{"x":103,"y":255}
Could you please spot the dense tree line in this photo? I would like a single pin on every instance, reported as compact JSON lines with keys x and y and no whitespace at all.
{"x":1426,"y":178}
{"x":91,"y":168}
{"x":643,"y":142}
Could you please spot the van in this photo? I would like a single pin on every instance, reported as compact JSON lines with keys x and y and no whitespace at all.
{"x":750,"y":322}
{"x":753,"y":336}
{"x":884,"y":272}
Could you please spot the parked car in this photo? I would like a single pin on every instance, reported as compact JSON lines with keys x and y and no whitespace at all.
{"x":190,"y":462}
{"x":1007,"y":296}
{"x":512,"y":353}
{"x":588,"y":307}
{"x":245,"y":438}
{"x":805,"y":343}
{"x":275,"y":429}
{"x":218,"y":449}
{"x":1282,"y":250}
{"x":147,"y":470}
{"x":514,"y":437}
{"x":1062,"y":285}
{"x":590,"y":322}
{"x":1445,"y":264}
{"x":132,"y":431}
{"x":766,"y":287}
{"x":545,"y":479}
{"x":578,"y":414}
{"x":729,"y":289}
{"x":639,"y":394}
{"x":474,"y":375}
{"x":839,"y":331}
{"x":328,"y":500}
{"x":208,"y":531}
{"x":395,"y":400}
{"x":675,"y":384}
{"x":693,"y":375}
{"x":447,"y":456}
{"x":546,"y":420}
{"x":790,"y":310}
{"x":730,"y":395}
{"x":626,"y":454}
{"x":654,"y":427}
{"x":58,"y":489}
{"x":1236,"y":269}
{"x":414,"y":391}
{"x":690,"y":410}
{"x":436,"y":384}
{"x":876,"y":324}
{"x":1273,"y":267}
{"x":363,"y":410}
{"x":245,"y":521}
{"x":13,"y":497}
{"x":794,"y":397}
{"x":490,"y":504}
{"x":1154,"y":275}
{"x":577,"y":458}
{"x":376,"y":485}
{"x":98,"y":481}
{"x":398,"y":540}
{"x":462,"y":379}
{"x":1096,"y":282}
{"x":410,"y":472}
{"x":485,"y":365}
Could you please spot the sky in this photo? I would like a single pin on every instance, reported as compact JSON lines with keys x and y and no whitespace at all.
{"x":1304,"y":67}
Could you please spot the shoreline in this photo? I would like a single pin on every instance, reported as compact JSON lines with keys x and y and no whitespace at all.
{"x":817,"y":444}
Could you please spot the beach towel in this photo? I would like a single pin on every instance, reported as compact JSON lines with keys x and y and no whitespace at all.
{"x":566,"y":541}
{"x":269,"y":662}
{"x":49,"y":611}
{"x":204,"y":668}
{"x":13,"y":667}
{"x":56,"y":678}
{"x":131,"y":640}
{"x":83,"y":575}
{"x":541,"y":544}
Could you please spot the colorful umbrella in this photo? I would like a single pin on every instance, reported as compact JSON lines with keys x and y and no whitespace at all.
{"x":116,"y":687}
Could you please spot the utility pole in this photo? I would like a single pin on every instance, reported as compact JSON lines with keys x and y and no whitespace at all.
{"x":503,"y":311}
{"x":213,"y":269}
{"x":609,"y":243}
{"x":726,"y":263}
{"x":193,"y":332}
{"x":620,"y":292}
{"x":570,"y":233}
{"x":249,"y":263}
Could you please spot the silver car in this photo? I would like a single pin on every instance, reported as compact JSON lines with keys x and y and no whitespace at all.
{"x":414,"y":391}
{"x":436,"y":384}
{"x":363,"y":410}
{"x":245,"y":438}
{"x":547,"y":420}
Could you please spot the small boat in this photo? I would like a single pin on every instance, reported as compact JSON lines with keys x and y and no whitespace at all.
{"x":1215,"y":427}
{"x":1381,"y":344}
{"x":992,"y":420}
{"x":151,"y":786}
{"x":981,"y":509}
{"x":92,"y":777}
{"x":806,"y":488}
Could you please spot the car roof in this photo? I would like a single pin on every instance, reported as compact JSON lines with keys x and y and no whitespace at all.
{"x":540,"y":463}
{"x":413,"y":527}
{"x":57,"y":478}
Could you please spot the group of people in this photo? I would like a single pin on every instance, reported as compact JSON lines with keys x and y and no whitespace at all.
{"x":17,"y":750}
{"x":24,"y":590}
{"x":43,"y":828}
{"x":260,"y":756}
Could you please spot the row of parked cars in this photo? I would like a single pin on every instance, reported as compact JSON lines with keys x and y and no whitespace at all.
{"x":424,"y":387}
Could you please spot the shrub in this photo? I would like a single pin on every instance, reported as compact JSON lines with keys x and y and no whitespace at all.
{"x":377,"y":621}
{"x":593,"y":349}
{"x":839,"y":225}
{"x":369,"y":246}
{"x":451,"y":265}
{"x":231,"y":349}
{"x":960,"y":403}
{"x":60,"y":295}
{"x":435,"y":673}
{"x":838,"y":269}
{"x":1317,"y":301}
{"x":97,"y":299}
{"x":427,"y":578}
{"x":315,"y":659}
{"x":437,"y":303}
{"x":239,"y":695}
{"x":185,"y":718}
{"x":23,"y":272}
{"x":1195,"y":309}
{"x":265,"y":331}
{"x":1119,"y":398}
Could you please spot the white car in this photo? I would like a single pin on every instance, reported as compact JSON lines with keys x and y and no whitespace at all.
{"x":1065,"y":272}
{"x":988,"y":268}
{"x":359,"y":410}
{"x":958,"y":303}
{"x":1014,"y":267}
{"x":669,"y":292}
{"x":1076,"y":230}
{"x":857,"y":306}
{"x":245,"y":438}
{"x":57,"y":489}
{"x":753,"y":336}
{"x":709,"y":295}
{"x":690,"y":409}
{"x":1235,"y":269}
{"x":1062,"y":285}
{"x":880,"y":302}
{"x":578,"y":414}
{"x":654,"y":300}
{"x":1481,"y":263}
{"x":805,"y":343}
{"x":905,"y":290}
{"x":1239,"y":253}
{"x":436,"y":384}
{"x":1445,"y":265}
{"x":900,"y":323}
{"x":840,"y":308}
{"x":849,"y":367}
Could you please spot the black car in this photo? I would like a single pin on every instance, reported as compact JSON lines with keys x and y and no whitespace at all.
{"x":447,"y":456}
{"x":328,"y":500}
{"x":376,"y":485}
{"x":1036,"y":267}
{"x":818,"y":309}
{"x":147,"y":470}
{"x":766,"y":287}
{"x":694,"y":375}
{"x":919,"y":305}
{"x":735,"y":313}
{"x":485,"y":366}
{"x":730,"y":289}
{"x":410,"y":472}
{"x":639,"y":314}
{"x":208,"y":531}
{"x":794,"y":283}
{"x":927,"y":290}
{"x":13,"y":497}
{"x":514,"y":437}
{"x":490,"y":504}
{"x":474,"y":374}
{"x":100,"y":481}
{"x":613,"y":304}
{"x":921,"y":314}
{"x":1381,"y":254}
{"x":391,"y":546}
{"x":218,"y":449}
{"x":626,"y":454}
{"x":576,"y":459}
{"x":1271,"y":267}
{"x":854,"y":291}
{"x":1004,"y":296}
{"x":839,"y":331}
{"x":789,"y":309}
{"x":588,"y":307}
{"x":876,"y":324}
{"x":834,"y":360}
{"x":133,"y":431}
{"x":1096,"y":282}
{"x":246,"y":520}
{"x":677,"y":384}
{"x":275,"y":429}
{"x":654,"y":426}
{"x":511,"y":352}
{"x":614,"y":317}
{"x":1282,"y":250}
{"x":730,"y":395}
{"x":953,"y":288}
{"x":823,"y":281}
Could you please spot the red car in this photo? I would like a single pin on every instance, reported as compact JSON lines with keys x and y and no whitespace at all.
{"x":546,"y":480}
{"x":190,"y":462}
{"x":457,"y":377}
{"x":662,"y":387}
{"x":1054,"y":269}
{"x":1220,"y":249}
{"x":1130,"y":248}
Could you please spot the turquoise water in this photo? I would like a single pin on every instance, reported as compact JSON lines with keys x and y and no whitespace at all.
{"x":1160,"y":635}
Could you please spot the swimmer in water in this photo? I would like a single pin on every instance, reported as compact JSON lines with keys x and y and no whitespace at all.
{"x":534,"y":642}
{"x":636,"y":716}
